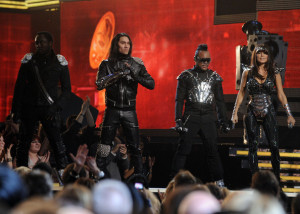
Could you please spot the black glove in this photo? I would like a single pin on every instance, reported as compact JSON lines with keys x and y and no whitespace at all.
{"x":225,"y":127}
{"x":134,"y":70}
{"x":179,"y":126}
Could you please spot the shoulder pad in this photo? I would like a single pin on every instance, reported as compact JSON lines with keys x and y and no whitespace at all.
{"x":62,"y":59}
{"x":185,"y":74}
{"x":27,"y":58}
{"x":138,"y":60}
{"x":217,"y":76}
{"x":279,"y":70}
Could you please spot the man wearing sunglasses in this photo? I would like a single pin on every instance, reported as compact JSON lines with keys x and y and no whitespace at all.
{"x":201,"y":90}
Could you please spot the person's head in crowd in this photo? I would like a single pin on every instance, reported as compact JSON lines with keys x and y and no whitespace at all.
{"x":73,"y":210}
{"x":296,"y":204}
{"x":36,"y":205}
{"x":43,"y":167}
{"x":155,"y":204}
{"x":12,"y":190}
{"x":75,"y":195}
{"x":174,"y":200}
{"x":216,"y":191}
{"x":35,"y":144}
{"x":199,"y":202}
{"x":10,"y":126}
{"x":265,"y":182}
{"x":87,"y":182}
{"x":22,"y":171}
{"x":39,"y":183}
{"x":252,"y":202}
{"x":68,"y":178}
{"x":169,"y":190}
{"x":112,"y":197}
{"x":183,"y":178}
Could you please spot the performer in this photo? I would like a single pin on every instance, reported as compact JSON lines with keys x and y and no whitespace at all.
{"x":260,"y":81}
{"x":36,"y":98}
{"x":201,"y":88}
{"x":120,"y":76}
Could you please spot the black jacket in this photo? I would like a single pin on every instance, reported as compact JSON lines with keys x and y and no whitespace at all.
{"x":185,"y":85}
{"x":122,"y":93}
{"x":54,"y":74}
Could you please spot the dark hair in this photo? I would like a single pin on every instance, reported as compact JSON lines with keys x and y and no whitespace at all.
{"x":265,"y":182}
{"x":42,"y":166}
{"x":114,"y":48}
{"x":269,"y":66}
{"x":48,"y":35}
{"x":201,"y":47}
{"x":183,"y":178}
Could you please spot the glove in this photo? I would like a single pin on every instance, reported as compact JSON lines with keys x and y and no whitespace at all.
{"x":179,"y":126}
{"x":225,"y":127}
{"x":134,"y":70}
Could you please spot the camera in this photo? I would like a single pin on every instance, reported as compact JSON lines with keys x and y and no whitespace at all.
{"x":139,"y":186}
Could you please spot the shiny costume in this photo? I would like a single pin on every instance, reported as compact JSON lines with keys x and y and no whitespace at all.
{"x":121,"y":85}
{"x":30,"y":105}
{"x":261,"y":112}
{"x":202,"y":91}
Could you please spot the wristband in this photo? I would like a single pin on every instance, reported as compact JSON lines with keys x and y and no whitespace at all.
{"x":287,"y":110}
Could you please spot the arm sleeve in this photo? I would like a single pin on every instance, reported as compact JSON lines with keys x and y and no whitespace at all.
{"x":19,"y":89}
{"x":220,"y":103}
{"x":65,"y":86}
{"x":102,"y":72}
{"x":145,"y":79}
{"x":180,"y":97}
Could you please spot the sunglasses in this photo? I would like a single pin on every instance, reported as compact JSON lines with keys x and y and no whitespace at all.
{"x":262,"y":51}
{"x":204,"y":60}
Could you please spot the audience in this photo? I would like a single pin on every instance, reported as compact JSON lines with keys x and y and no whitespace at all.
{"x":112,"y":197}
{"x":89,"y":187}
{"x":39,"y":183}
{"x":75,"y":195}
{"x":252,"y":202}
{"x":33,"y":153}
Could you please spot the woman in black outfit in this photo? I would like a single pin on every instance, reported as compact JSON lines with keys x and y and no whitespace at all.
{"x":261,"y":81}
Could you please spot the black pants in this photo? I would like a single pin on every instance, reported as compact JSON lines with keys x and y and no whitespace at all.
{"x":28,"y":128}
{"x":269,"y":124}
{"x":205,"y":126}
{"x":113,"y":118}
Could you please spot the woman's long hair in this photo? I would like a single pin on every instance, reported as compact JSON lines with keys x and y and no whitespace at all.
{"x":114,"y":48}
{"x":269,"y":65}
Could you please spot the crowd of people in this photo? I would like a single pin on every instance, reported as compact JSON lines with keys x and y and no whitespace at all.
{"x":107,"y":169}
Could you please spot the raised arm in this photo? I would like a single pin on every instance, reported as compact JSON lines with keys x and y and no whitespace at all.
{"x":239,"y":97}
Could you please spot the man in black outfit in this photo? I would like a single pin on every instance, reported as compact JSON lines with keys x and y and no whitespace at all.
{"x":201,"y":88}
{"x":36,"y":98}
{"x":120,"y":76}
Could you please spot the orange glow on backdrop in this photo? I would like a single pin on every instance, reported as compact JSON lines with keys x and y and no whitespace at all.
{"x":101,"y":40}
